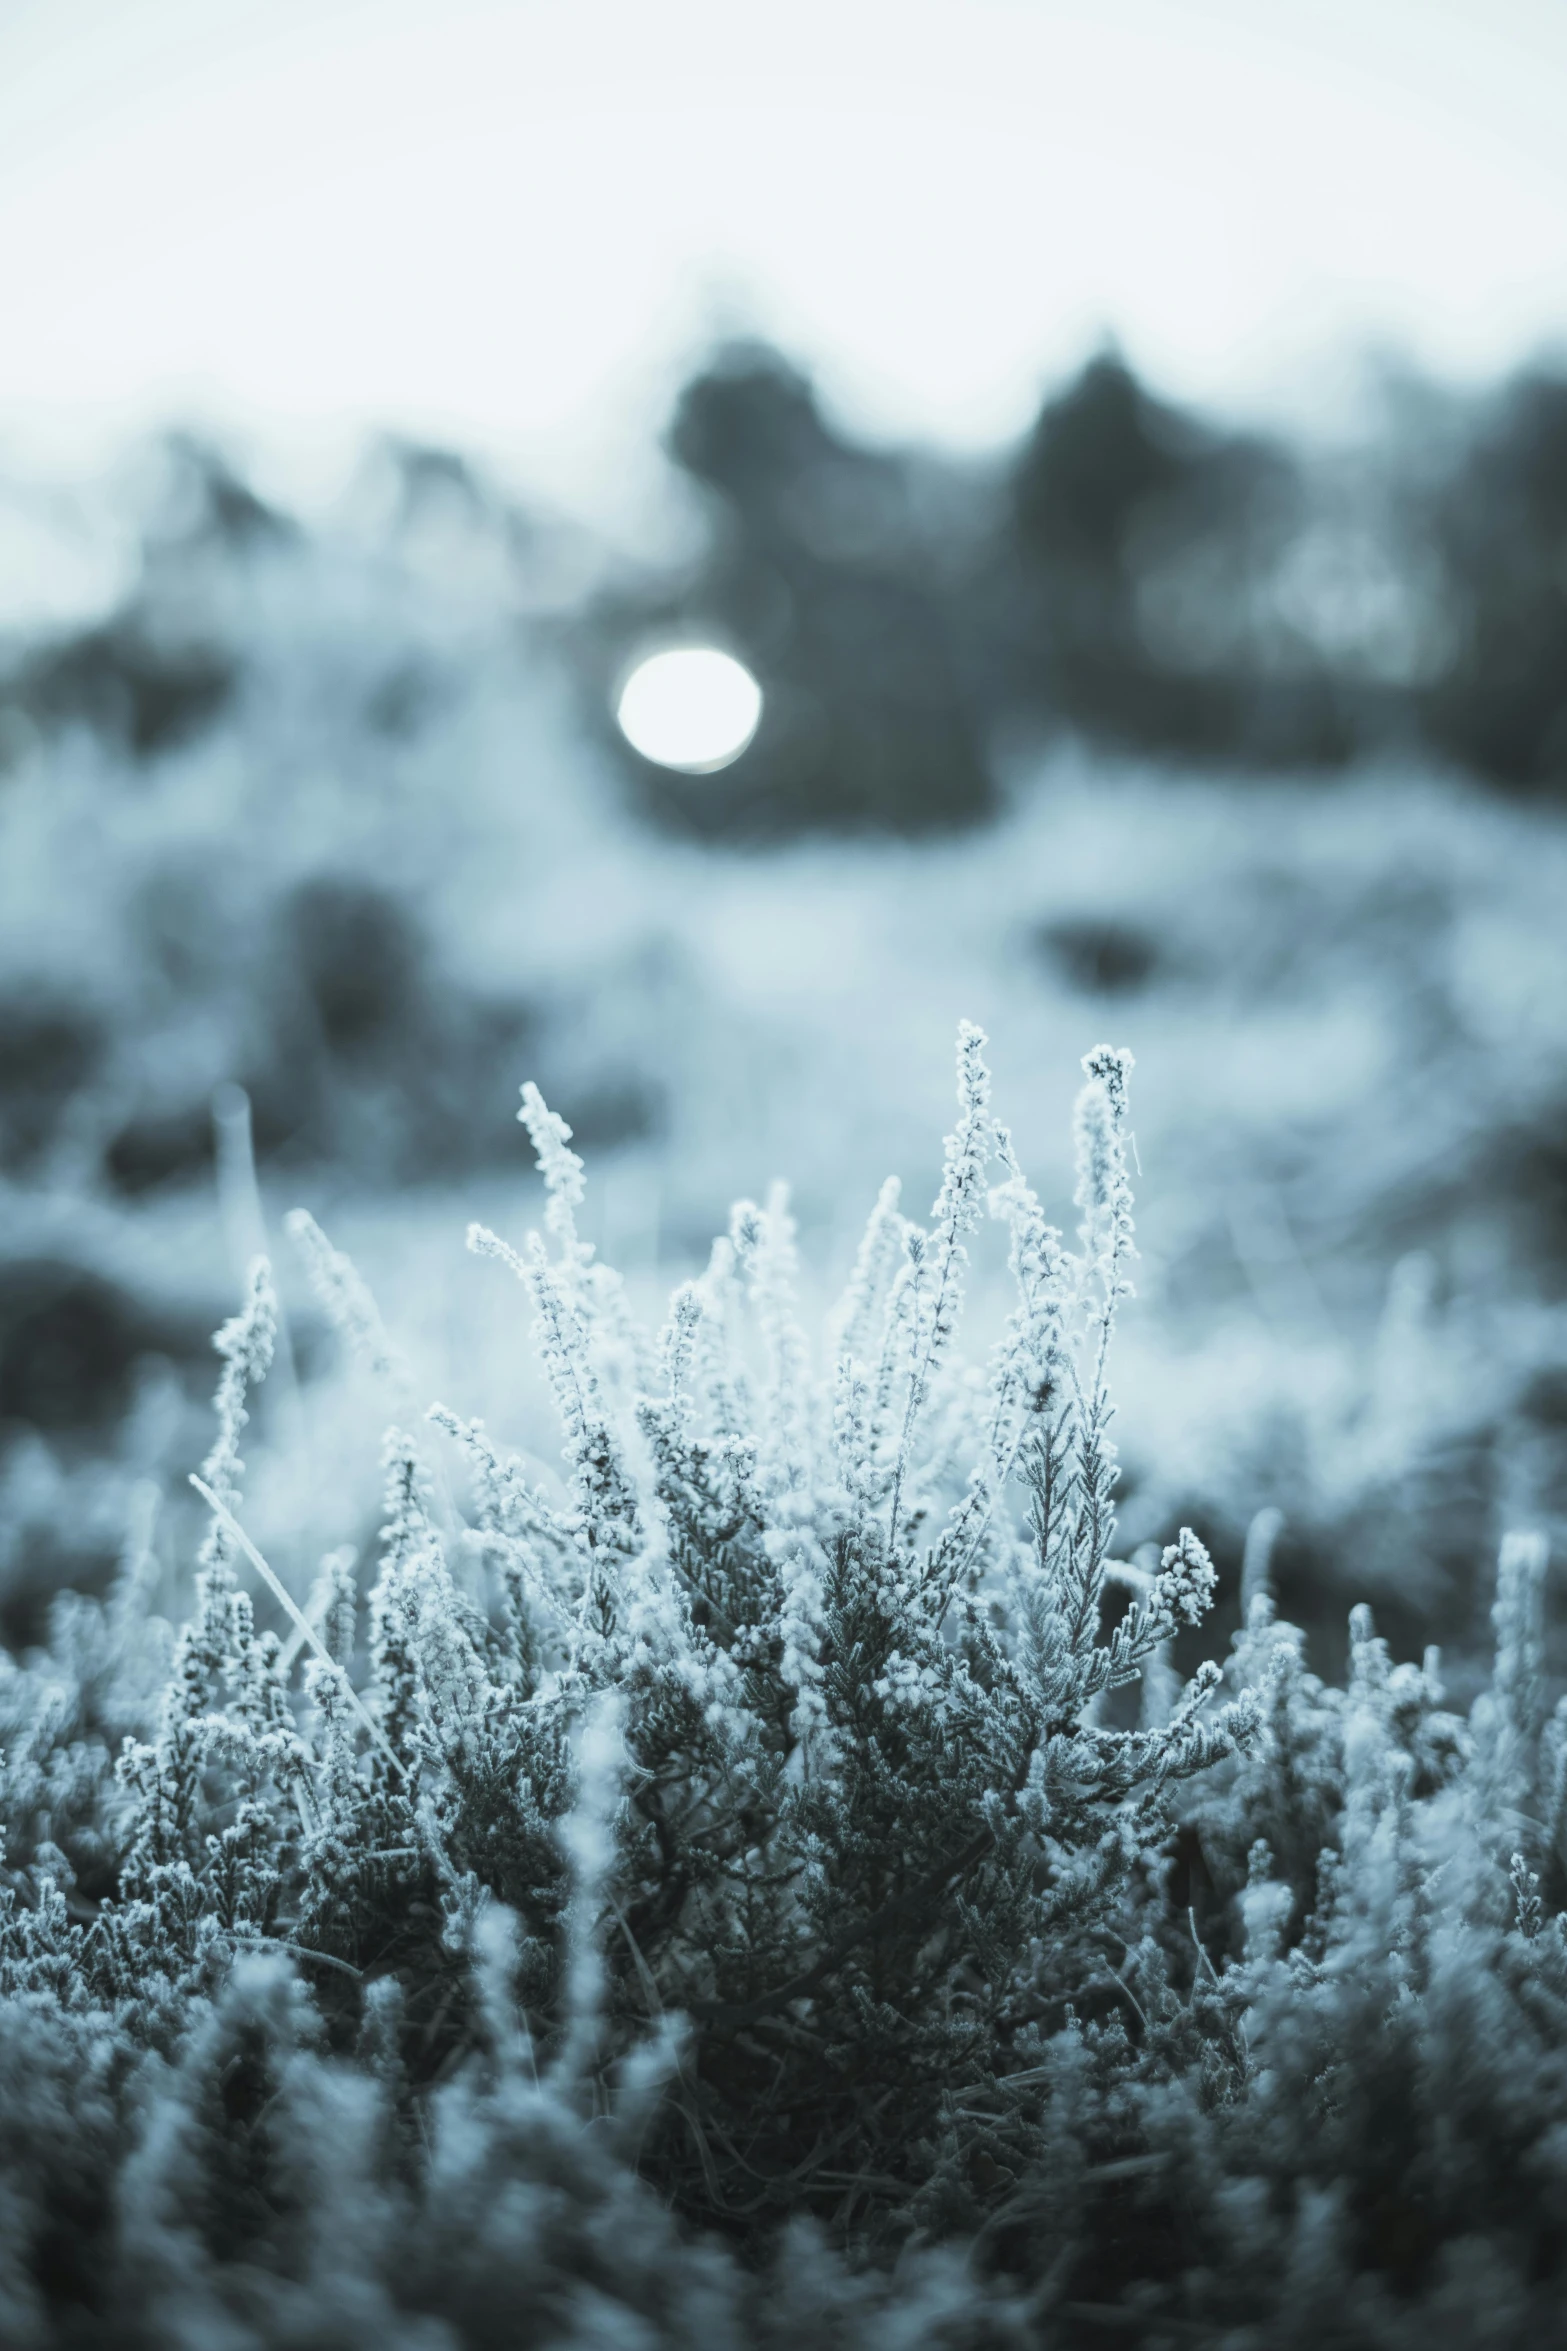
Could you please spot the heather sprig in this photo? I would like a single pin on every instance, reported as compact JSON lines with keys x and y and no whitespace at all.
{"x":755,"y":1808}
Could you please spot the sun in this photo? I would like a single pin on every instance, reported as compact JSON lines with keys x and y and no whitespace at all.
{"x":690,"y":707}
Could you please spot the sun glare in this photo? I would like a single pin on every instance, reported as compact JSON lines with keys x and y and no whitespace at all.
{"x":692,"y":707}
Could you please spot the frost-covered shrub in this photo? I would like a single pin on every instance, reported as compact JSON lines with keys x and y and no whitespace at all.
{"x":746,"y":1835}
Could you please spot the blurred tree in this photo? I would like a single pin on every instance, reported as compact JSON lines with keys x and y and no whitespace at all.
{"x":160,"y":670}
{"x":1137,"y":597}
{"x":1500,"y":529}
{"x":821,"y":575}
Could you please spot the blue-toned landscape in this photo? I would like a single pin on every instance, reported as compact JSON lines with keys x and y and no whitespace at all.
{"x":781,"y":1509}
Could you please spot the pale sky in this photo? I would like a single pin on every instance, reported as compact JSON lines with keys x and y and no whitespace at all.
{"x":509,"y":224}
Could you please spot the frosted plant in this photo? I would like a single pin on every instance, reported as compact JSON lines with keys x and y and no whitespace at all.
{"x":750,"y":1807}
{"x":344,"y":1297}
{"x":850,"y":1613}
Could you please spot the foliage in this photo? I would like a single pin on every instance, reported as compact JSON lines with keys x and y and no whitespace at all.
{"x":725,"y":1894}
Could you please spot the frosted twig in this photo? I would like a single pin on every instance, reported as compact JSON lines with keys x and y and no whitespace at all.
{"x":281,"y":1593}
